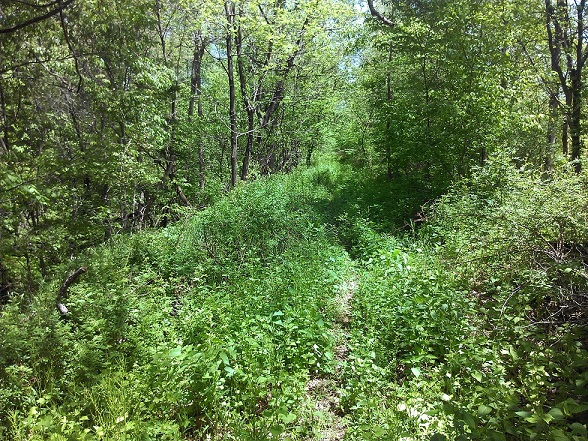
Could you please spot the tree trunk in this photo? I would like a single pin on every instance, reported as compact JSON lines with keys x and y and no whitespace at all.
{"x":249,"y":104}
{"x":280,"y":88}
{"x":551,"y":133}
{"x":4,"y":145}
{"x":249,"y":146}
{"x":309,"y":155}
{"x":389,"y":99}
{"x":230,"y":14}
{"x":565,"y":128}
{"x":196,"y":96}
{"x":575,"y":121}
{"x":565,"y":37}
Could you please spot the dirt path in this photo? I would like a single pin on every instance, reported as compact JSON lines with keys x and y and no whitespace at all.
{"x":323,"y":392}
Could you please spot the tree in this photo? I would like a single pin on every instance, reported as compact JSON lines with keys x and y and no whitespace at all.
{"x":115,"y":114}
{"x":566,"y":33}
{"x":444,"y":90}
{"x":43,"y":12}
{"x":230,"y":13}
{"x":271,"y":42}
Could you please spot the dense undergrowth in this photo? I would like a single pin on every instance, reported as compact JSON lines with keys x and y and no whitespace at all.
{"x":472,"y":327}
{"x":210,"y":327}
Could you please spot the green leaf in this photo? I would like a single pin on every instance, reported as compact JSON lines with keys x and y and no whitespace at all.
{"x":579,"y":429}
{"x":277,"y":430}
{"x":380,"y":431}
{"x":287,"y":419}
{"x":477,"y":376}
{"x":483,"y":410}
{"x":224,"y":358}
{"x":175,"y":352}
{"x":557,"y":414}
{"x":469,"y":420}
{"x":570,"y":407}
{"x":535,"y":418}
{"x":416,"y":371}
{"x":559,"y":435}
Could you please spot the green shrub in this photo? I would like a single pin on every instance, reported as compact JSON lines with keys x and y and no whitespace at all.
{"x":515,"y":240}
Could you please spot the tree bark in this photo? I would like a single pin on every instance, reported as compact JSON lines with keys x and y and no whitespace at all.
{"x":577,"y":88}
{"x":565,"y":37}
{"x":250,"y":105}
{"x":60,"y":7}
{"x":230,"y":15}
{"x":551,"y":133}
{"x":576,"y":119}
{"x":389,"y":99}
{"x":279,"y":90}
{"x":4,"y":144}
{"x":65,"y":286}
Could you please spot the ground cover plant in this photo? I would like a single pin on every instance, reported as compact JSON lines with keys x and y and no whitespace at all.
{"x":293,"y":220}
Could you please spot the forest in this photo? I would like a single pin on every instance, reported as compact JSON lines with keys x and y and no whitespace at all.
{"x":293,"y":220}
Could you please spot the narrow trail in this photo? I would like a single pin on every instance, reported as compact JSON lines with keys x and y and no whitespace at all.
{"x":323,"y":392}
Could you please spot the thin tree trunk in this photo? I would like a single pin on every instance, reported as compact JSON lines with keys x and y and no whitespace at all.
{"x":428,"y":136}
{"x":575,"y":122}
{"x":567,"y":123}
{"x":249,"y":105}
{"x":389,"y":99}
{"x":230,"y":14}
{"x":249,"y":145}
{"x":566,"y":42}
{"x":196,"y":96}
{"x":4,"y":144}
{"x":551,"y":133}
{"x":280,"y":87}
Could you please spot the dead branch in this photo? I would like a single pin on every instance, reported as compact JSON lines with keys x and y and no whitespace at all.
{"x":65,"y":286}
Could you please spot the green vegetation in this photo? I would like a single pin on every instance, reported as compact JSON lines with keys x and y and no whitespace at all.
{"x":211,"y":326}
{"x":293,"y":220}
{"x":474,"y":328}
{"x":214,"y":326}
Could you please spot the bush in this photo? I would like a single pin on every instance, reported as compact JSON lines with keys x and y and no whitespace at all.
{"x":516,"y":241}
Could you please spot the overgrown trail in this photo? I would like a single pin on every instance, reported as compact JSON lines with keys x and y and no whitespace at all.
{"x":324,"y":392}
{"x":292,"y":309}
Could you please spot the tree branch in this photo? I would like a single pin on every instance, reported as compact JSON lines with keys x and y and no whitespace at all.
{"x":71,"y":50}
{"x":37,"y":19}
{"x":32,"y":5}
{"x":379,"y":16}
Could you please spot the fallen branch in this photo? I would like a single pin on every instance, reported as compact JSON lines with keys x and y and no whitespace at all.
{"x":65,"y":286}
